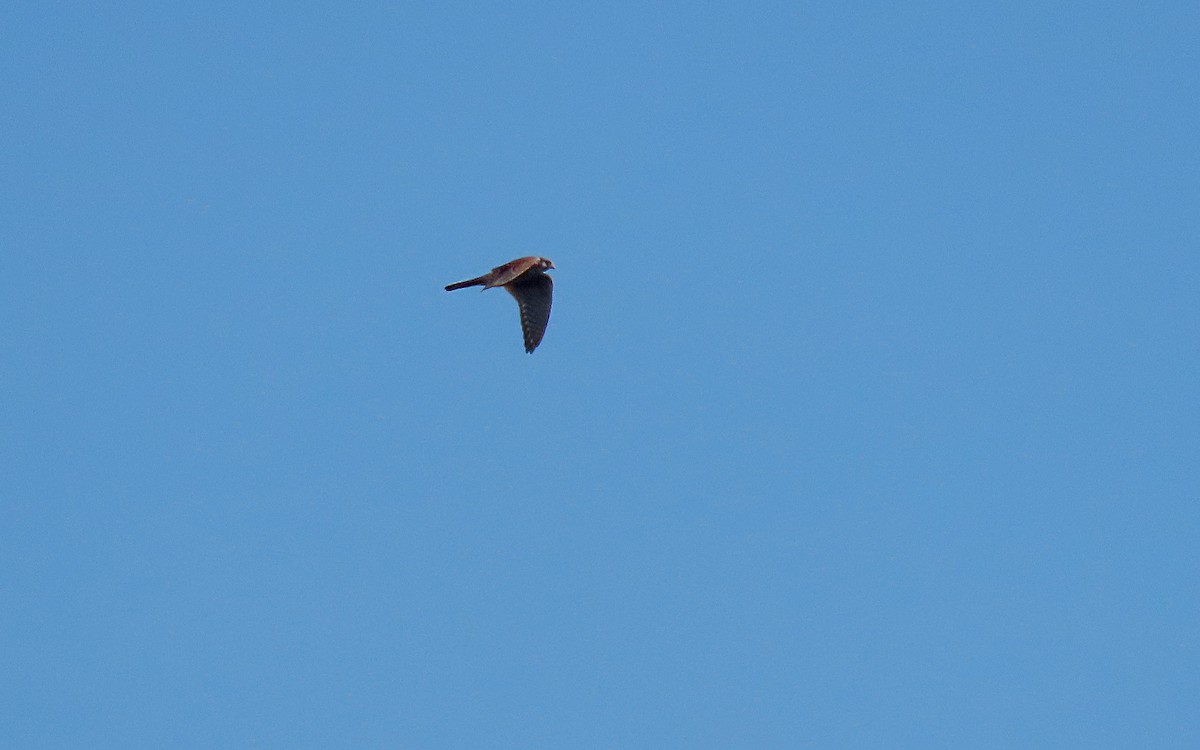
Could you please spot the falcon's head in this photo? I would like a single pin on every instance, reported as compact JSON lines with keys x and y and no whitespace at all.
{"x":545,"y":264}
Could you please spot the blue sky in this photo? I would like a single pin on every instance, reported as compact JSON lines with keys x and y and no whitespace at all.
{"x":866,"y":417}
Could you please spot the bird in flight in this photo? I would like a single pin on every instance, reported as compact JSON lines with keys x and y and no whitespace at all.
{"x":526,"y":280}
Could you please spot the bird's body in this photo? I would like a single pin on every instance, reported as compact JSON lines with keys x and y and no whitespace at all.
{"x":526,"y":280}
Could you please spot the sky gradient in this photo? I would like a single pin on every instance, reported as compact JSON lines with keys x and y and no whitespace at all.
{"x":866,"y":417}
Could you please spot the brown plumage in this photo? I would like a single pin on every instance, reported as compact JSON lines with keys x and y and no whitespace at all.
{"x":526,"y":280}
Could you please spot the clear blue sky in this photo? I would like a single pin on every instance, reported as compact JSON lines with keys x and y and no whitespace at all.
{"x":867,"y":416}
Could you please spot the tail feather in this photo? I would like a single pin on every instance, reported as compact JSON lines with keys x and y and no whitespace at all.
{"x":477,"y":281}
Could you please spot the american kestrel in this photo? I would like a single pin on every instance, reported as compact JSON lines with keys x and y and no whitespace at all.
{"x":526,"y":280}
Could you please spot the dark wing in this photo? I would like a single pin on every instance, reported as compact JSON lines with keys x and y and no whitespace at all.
{"x":533,"y":294}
